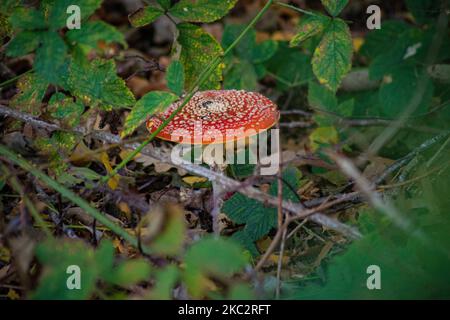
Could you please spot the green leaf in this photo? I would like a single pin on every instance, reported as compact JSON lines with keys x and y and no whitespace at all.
{"x":57,"y":256}
{"x":201,"y":10}
{"x":323,"y":137}
{"x":171,"y":238}
{"x":23,"y":43}
{"x":175,"y":77}
{"x":332,"y":59}
{"x":309,"y":27}
{"x":244,"y":49}
{"x":145,"y":15}
{"x":98,"y":85}
{"x":198,"y":48}
{"x":203,"y":261}
{"x":258,"y":218}
{"x":64,"y":108}
{"x":379,"y":41}
{"x":398,"y":90}
{"x":321,"y":98}
{"x":241,"y":75}
{"x":264,"y":51}
{"x":334,"y":7}
{"x":294,"y":71}
{"x":165,"y":4}
{"x":149,"y":104}
{"x":51,"y":57}
{"x":27,"y":19}
{"x":93,"y":32}
{"x":129,"y":273}
{"x":165,"y":281}
{"x":32,"y":89}
{"x":56,"y":11}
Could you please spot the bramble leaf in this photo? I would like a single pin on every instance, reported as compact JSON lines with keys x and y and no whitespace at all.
{"x":241,"y":75}
{"x":23,"y":43}
{"x":144,"y":16}
{"x":64,"y":108}
{"x":334,"y":7}
{"x":332,"y":59}
{"x":93,"y":32}
{"x":98,"y":85}
{"x":51,"y":58}
{"x":27,"y":19}
{"x":149,"y":104}
{"x":201,"y":10}
{"x":264,"y":51}
{"x":309,"y":27}
{"x":198,"y":49}
{"x":165,"y":4}
{"x":32,"y":89}
{"x":175,"y":77}
{"x":258,"y":218}
{"x":56,"y":10}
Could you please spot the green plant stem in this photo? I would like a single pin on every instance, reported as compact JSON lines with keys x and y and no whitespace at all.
{"x":83,"y":204}
{"x":295,"y":8}
{"x":9,"y":81}
{"x":203,"y":76}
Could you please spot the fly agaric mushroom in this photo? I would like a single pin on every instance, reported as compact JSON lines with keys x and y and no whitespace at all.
{"x":218,"y":111}
{"x":209,"y":117}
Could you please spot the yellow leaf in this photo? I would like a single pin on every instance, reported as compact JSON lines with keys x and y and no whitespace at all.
{"x":114,"y":181}
{"x":123,"y":206}
{"x":357,"y":43}
{"x":191,"y":180}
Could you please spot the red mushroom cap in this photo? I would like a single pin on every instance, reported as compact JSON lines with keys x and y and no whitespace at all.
{"x":210,"y":115}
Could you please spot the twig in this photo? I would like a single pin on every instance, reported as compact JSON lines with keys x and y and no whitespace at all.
{"x":228,"y":184}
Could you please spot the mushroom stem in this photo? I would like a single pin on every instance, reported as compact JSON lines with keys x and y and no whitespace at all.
{"x":217,"y":201}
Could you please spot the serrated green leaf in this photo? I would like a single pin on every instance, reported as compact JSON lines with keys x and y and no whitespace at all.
{"x":332,"y":59}
{"x":264,"y":51}
{"x":198,"y":48}
{"x":202,"y":261}
{"x":175,"y":77}
{"x":51,"y":58}
{"x":98,"y":85}
{"x":32,"y":89}
{"x":65,"y":109}
{"x":145,"y":15}
{"x":241,"y":76}
{"x":309,"y":27}
{"x":334,"y":7}
{"x":149,"y":104}
{"x":201,"y":10}
{"x":27,"y":19}
{"x":56,"y":10}
{"x":23,"y":43}
{"x":93,"y":32}
{"x":398,"y":90}
{"x":129,"y":272}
